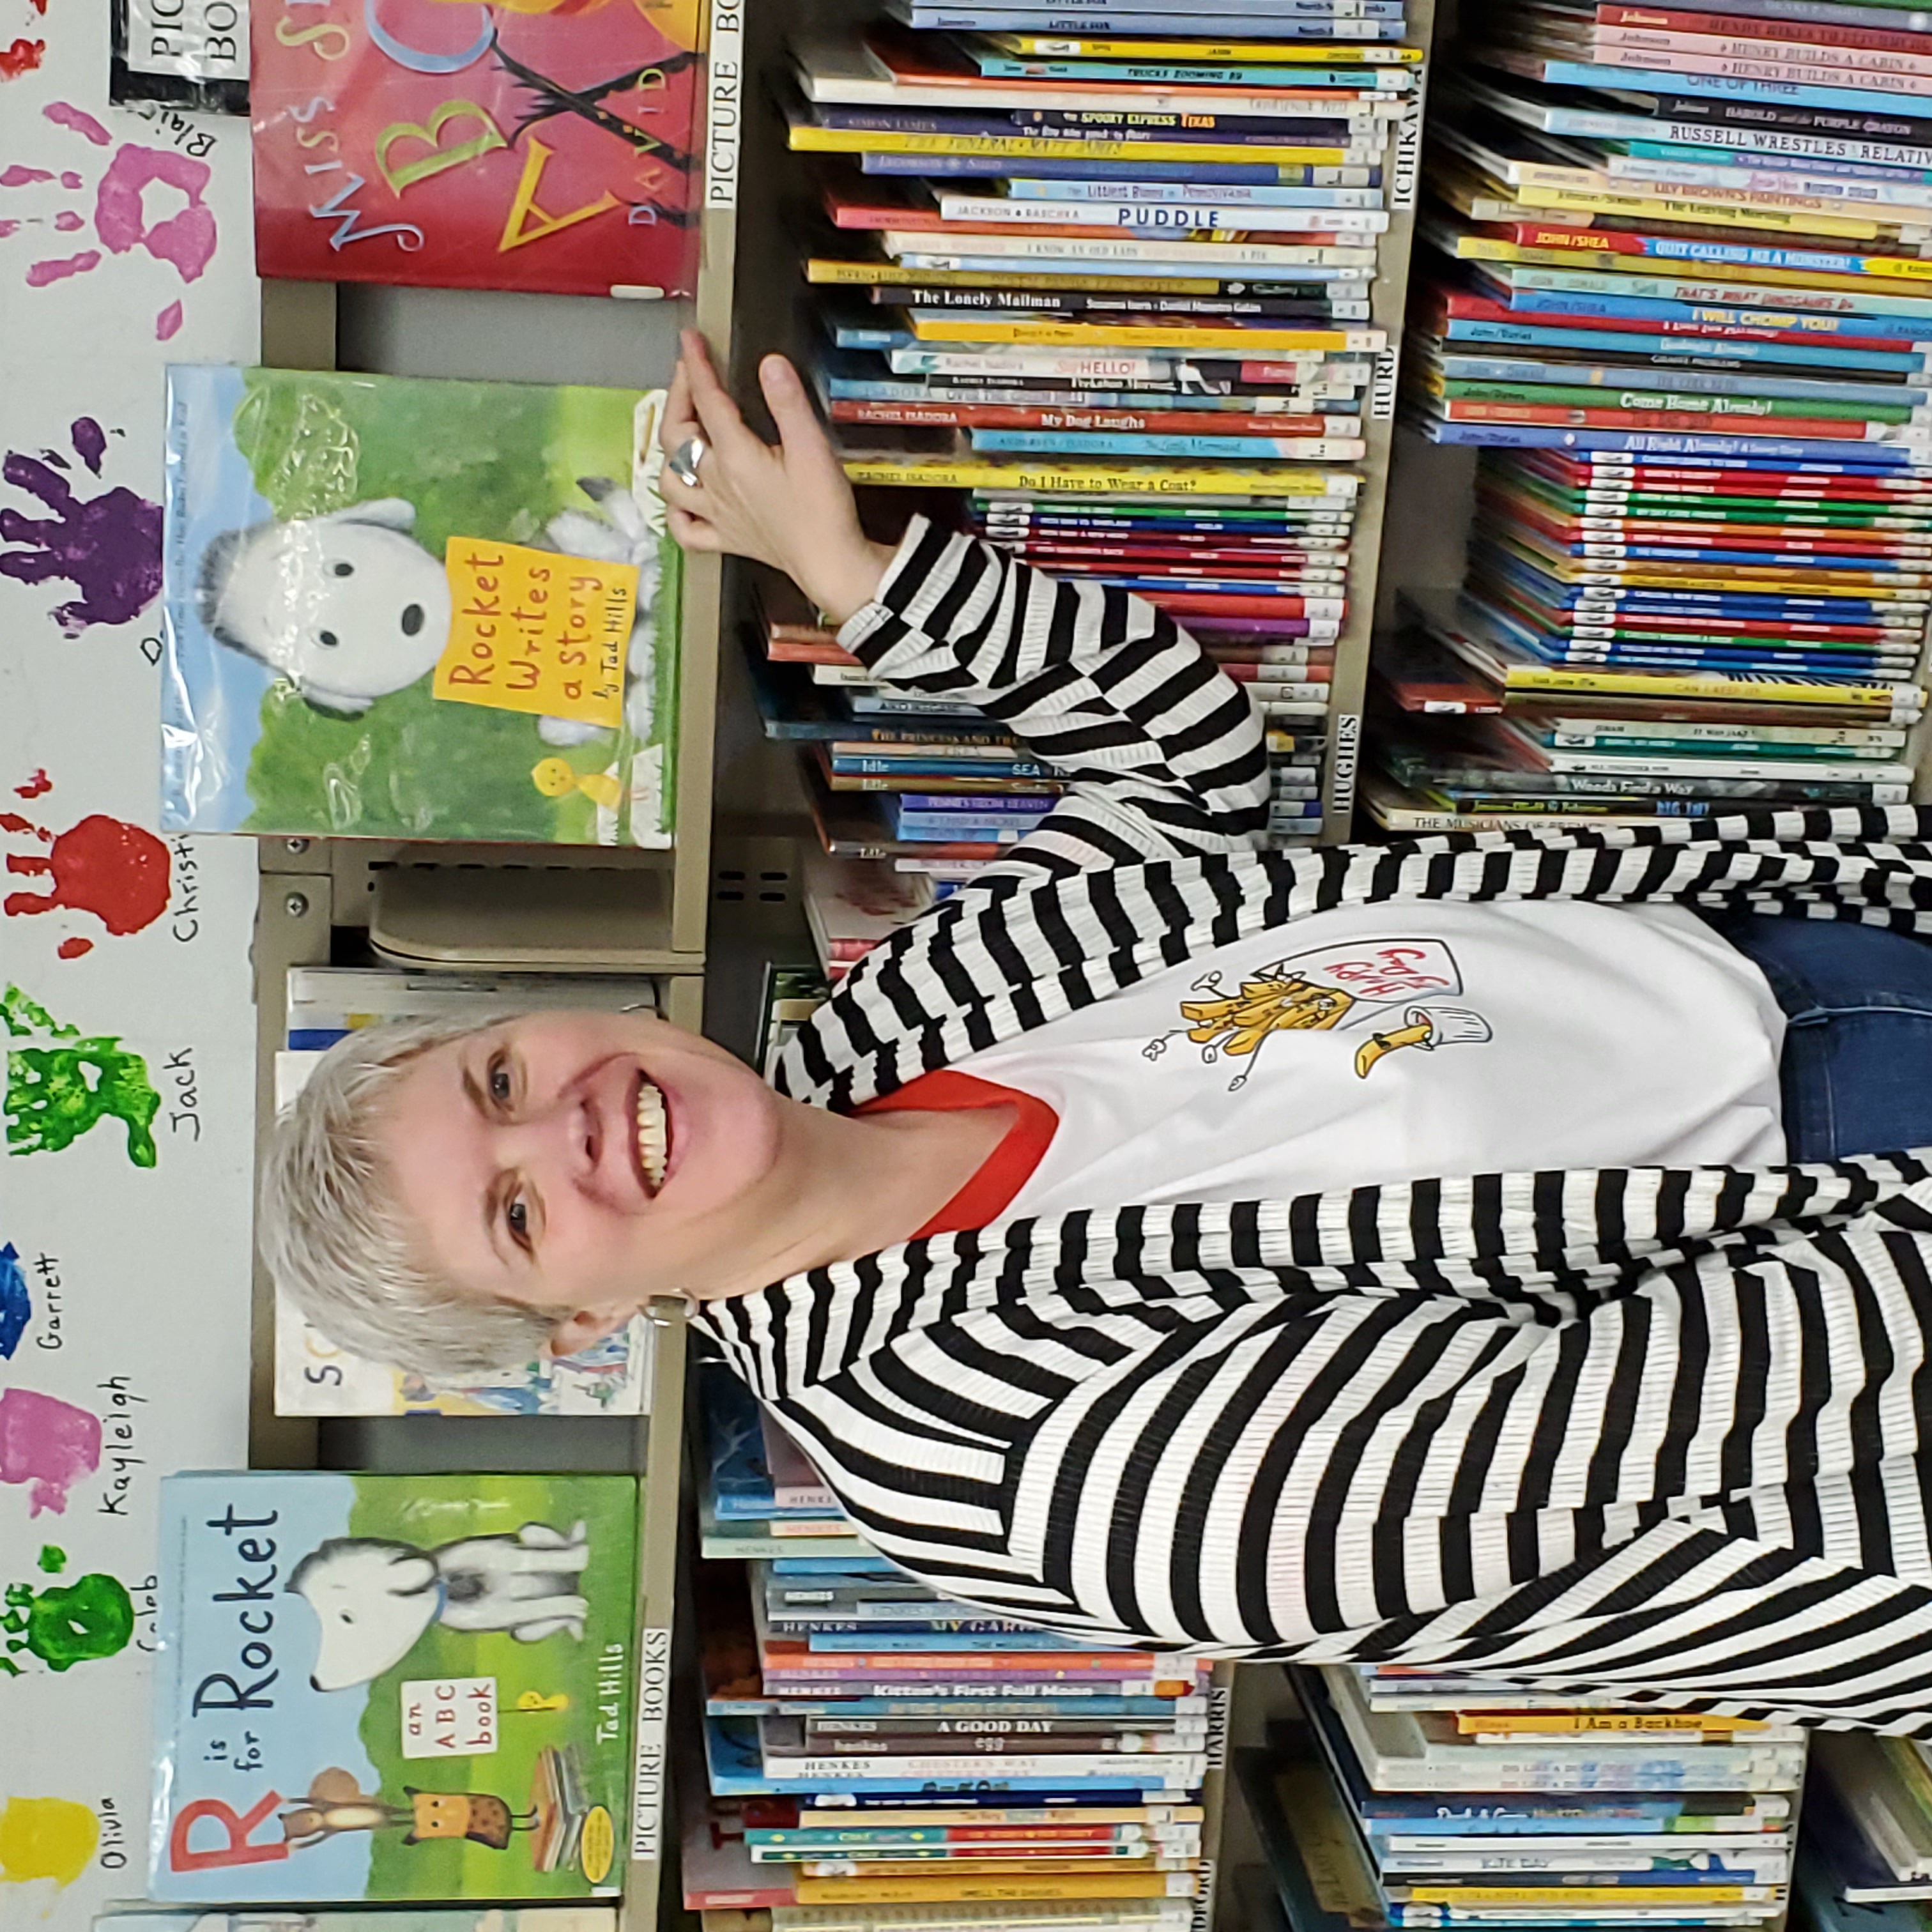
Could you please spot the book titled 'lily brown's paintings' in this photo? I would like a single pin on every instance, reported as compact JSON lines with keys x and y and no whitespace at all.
{"x":541,"y":145}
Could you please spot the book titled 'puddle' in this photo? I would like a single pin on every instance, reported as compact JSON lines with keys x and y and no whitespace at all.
{"x":393,"y":1686}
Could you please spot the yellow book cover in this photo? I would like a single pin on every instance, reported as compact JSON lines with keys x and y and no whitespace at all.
{"x":1066,"y":478}
{"x":1691,"y":209}
{"x":943,"y":1891}
{"x":1194,"y":53}
{"x":1779,"y":220}
{"x":1903,"y":699}
{"x":879,"y":274}
{"x":808,"y":139}
{"x":1486,"y":248}
{"x":1499,"y":1723}
{"x":1230,"y":343}
{"x":1588,"y":1894}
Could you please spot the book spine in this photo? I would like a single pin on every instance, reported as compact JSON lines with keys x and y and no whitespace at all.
{"x":1682,"y":54}
{"x":1712,"y":87}
{"x":1819,"y":32}
{"x":1209,"y":449}
{"x":1218,"y":259}
{"x":1203,"y":218}
{"x":1823,"y":428}
{"x":916,"y":1891}
{"x":1850,"y":63}
{"x":1020,"y":147}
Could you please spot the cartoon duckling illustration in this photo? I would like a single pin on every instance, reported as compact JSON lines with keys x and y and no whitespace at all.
{"x":555,"y":778}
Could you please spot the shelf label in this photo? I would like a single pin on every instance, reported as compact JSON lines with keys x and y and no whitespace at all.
{"x":647,"y":1783}
{"x":1342,"y":759}
{"x":1382,"y":387}
{"x":1407,"y":159}
{"x":723,"y":103}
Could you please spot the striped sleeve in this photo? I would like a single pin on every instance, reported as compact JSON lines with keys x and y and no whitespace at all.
{"x":1684,"y":1458}
{"x":1162,"y":752}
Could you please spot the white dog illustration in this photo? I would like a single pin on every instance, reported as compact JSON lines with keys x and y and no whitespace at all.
{"x":374,"y":1598}
{"x":350,"y":607}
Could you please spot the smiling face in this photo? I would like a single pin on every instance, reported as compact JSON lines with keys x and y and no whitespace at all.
{"x":346,"y":610}
{"x":584,"y":1162}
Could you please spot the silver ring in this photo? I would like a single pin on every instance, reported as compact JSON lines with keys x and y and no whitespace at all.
{"x":682,"y":462}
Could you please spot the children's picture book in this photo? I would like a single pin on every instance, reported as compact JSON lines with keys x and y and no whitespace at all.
{"x":514,"y":147}
{"x":392,"y":1687}
{"x":404,"y":608}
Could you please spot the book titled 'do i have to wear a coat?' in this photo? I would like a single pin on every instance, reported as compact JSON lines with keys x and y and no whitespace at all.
{"x":536,"y":144}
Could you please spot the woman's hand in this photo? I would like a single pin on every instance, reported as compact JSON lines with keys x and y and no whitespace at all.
{"x":790,"y":507}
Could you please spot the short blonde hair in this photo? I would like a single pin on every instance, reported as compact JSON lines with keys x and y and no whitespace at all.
{"x":334,"y":1234}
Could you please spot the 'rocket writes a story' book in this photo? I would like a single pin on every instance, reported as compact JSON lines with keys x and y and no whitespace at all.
{"x":394,"y":1687}
{"x":401,"y":608}
{"x":525,"y":145}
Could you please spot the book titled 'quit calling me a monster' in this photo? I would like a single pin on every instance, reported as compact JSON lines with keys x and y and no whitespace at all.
{"x":393,"y":1688}
{"x":414,"y":609}
{"x":531,"y":145}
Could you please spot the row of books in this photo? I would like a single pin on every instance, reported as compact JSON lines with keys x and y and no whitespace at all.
{"x":1117,"y":287}
{"x":879,"y":1756}
{"x":1680,"y":275}
{"x":1405,"y":1798}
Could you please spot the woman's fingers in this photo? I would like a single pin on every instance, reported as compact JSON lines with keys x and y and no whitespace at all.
{"x":679,"y":422}
{"x":797,"y":421}
{"x":689,"y":532}
{"x":723,"y":427}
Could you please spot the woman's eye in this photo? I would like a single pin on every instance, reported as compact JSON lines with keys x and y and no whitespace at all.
{"x":499,"y":1080}
{"x":517,"y":1216}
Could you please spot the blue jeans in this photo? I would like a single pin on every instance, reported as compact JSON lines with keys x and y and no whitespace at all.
{"x":1857,"y":1070}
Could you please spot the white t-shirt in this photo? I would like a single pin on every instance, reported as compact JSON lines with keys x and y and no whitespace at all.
{"x":1380,"y":1044}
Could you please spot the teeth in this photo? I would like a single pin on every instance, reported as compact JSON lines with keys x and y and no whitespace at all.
{"x":653,"y":1134}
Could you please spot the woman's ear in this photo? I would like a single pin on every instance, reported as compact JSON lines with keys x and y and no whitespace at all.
{"x":585,"y":1328}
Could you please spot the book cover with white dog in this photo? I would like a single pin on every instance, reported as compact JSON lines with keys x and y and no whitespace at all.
{"x":392,"y":1687}
{"x":397,"y":607}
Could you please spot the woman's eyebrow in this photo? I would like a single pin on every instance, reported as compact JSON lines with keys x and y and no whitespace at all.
{"x":475,"y":1092}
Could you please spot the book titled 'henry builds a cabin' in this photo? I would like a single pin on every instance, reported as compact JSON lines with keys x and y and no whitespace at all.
{"x":393,"y":1686}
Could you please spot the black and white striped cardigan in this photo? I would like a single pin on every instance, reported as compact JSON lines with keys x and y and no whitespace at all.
{"x":1655,"y":1432}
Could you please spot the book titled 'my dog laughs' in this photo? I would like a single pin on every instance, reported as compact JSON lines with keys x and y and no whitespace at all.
{"x":393,"y":1686}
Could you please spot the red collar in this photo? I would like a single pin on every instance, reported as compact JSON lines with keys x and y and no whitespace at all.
{"x":1006,"y":1170}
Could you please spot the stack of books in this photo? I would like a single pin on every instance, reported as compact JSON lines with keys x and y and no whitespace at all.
{"x":760,"y":1497}
{"x":1473,"y":731}
{"x":879,"y":1757}
{"x":1420,"y":1800}
{"x":1683,"y":282}
{"x":896,"y":781}
{"x":1117,"y":287}
{"x":1866,"y":1844}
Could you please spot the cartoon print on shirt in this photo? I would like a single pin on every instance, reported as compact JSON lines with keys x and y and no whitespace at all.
{"x":1331,"y":989}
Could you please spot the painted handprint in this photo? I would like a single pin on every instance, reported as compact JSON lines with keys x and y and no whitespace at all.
{"x":108,"y":547}
{"x":135,"y":179}
{"x":60,"y":1085}
{"x":118,"y":873}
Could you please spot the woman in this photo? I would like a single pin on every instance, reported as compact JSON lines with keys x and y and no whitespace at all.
{"x":1376,"y":1253}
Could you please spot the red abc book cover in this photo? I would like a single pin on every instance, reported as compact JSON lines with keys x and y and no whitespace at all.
{"x":528,"y":144}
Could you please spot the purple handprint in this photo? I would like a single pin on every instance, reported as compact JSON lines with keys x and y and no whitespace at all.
{"x":108,"y":547}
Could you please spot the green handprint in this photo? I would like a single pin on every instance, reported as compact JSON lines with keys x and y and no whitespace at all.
{"x":66,"y":1624}
{"x":55,"y":1093}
